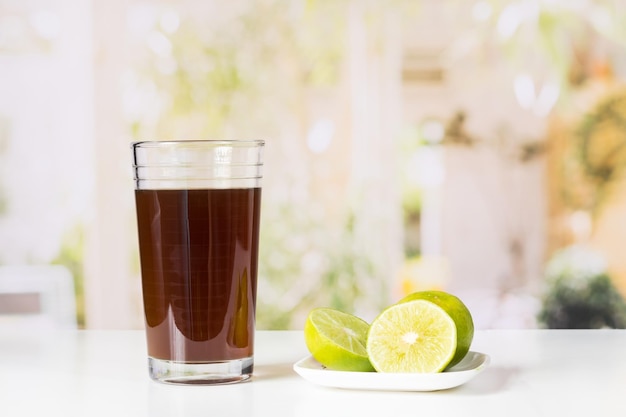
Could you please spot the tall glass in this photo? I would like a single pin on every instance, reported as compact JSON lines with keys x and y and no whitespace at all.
{"x":198,"y":207}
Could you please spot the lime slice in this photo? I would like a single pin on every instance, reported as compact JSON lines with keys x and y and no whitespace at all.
{"x":415,"y":336}
{"x":458,"y":312}
{"x":337,"y":340}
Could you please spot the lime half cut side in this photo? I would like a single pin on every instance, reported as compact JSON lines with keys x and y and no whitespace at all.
{"x":415,"y":336}
{"x":337,"y":340}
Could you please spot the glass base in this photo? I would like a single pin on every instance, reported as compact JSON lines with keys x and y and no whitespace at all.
{"x":205,"y":373}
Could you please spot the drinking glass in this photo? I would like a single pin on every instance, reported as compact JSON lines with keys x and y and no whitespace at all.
{"x":198,"y":208}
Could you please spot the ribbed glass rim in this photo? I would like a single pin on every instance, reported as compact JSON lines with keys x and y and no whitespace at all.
{"x":198,"y":142}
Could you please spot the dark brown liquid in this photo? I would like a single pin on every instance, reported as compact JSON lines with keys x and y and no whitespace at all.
{"x":198,"y":251}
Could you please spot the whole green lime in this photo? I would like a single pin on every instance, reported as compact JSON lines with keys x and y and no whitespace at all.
{"x":459,"y":313}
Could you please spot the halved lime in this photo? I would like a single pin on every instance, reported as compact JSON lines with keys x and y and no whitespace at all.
{"x":337,"y":340}
{"x":458,"y":311}
{"x":415,"y":336}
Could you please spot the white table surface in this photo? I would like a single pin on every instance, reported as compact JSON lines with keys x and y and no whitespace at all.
{"x":104,"y":373}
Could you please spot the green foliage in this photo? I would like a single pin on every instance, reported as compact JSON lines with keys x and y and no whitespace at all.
{"x":347,"y":271}
{"x":602,"y":139}
{"x":240,"y":72}
{"x":305,"y":263}
{"x":71,"y":256}
{"x":595,"y":305}
{"x":597,"y":159}
{"x":580,"y":294}
{"x":558,"y":39}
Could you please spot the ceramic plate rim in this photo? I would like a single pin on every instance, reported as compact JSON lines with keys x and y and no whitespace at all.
{"x":473,"y":364}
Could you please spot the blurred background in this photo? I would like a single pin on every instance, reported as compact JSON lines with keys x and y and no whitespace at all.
{"x":472,"y":146}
